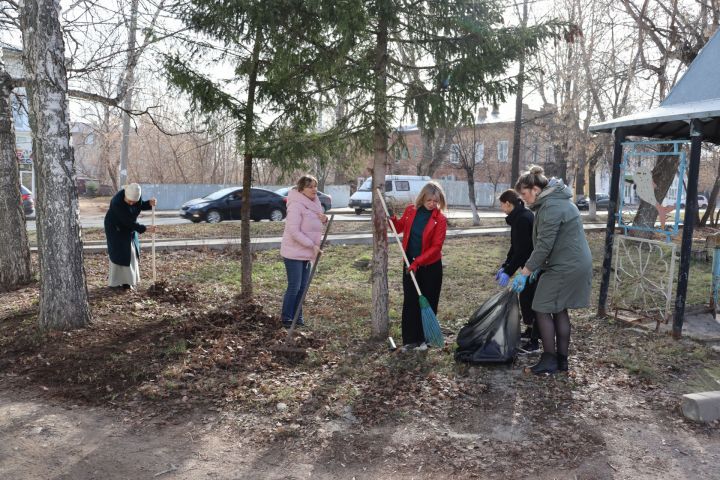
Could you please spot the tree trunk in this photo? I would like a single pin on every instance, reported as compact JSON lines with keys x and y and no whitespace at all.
{"x":592,"y":206}
{"x":63,"y":291}
{"x":246,"y":286}
{"x":517,"y":127}
{"x":15,"y":265}
{"x":380,"y":240}
{"x":127,"y":103}
{"x":712,"y":201}
{"x":471,"y":197}
{"x":663,"y":173}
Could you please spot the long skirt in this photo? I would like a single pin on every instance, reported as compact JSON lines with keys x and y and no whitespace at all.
{"x":122,"y":275}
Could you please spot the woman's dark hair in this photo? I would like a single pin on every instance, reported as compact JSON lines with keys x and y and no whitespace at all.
{"x":511,"y":196}
{"x":534,"y":177}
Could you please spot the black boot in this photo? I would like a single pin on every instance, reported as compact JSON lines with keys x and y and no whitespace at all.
{"x":548,"y":364}
{"x":562,"y":361}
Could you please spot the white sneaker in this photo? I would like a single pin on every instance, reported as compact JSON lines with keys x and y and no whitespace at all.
{"x":422,"y":347}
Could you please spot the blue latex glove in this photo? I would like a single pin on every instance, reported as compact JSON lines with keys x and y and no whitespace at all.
{"x":519,"y":282}
{"x":534,"y":275}
{"x":497,"y":275}
{"x":503,"y":279}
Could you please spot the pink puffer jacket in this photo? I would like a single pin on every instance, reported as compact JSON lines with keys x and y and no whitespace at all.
{"x":303,"y":228}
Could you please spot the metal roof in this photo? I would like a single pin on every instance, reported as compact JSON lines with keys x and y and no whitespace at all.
{"x":695,"y":96}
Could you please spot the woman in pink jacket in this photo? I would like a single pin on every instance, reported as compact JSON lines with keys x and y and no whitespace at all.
{"x":300,"y":243}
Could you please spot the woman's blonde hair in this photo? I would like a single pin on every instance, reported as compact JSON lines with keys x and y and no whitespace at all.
{"x":431,"y":189}
{"x":534,"y":177}
{"x":305,"y":181}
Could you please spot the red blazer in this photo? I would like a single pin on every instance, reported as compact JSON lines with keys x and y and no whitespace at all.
{"x":433,"y":235}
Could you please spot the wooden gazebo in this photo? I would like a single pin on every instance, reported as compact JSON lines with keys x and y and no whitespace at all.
{"x":690,"y":111}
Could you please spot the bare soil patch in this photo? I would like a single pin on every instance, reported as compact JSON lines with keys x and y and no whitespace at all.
{"x":180,"y":379}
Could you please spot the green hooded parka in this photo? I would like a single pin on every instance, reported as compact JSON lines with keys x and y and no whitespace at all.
{"x":561,"y":251}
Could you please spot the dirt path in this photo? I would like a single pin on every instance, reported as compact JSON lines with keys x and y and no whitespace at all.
{"x":500,"y":438}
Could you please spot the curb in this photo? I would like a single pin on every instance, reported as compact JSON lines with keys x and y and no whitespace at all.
{"x":270,"y":243}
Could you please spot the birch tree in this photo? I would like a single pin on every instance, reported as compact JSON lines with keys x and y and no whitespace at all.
{"x":15,"y":266}
{"x":63,"y":291}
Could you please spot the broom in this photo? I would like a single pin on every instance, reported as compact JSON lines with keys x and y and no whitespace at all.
{"x":431,"y":326}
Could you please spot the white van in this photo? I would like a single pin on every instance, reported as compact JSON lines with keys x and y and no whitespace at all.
{"x":399,"y":189}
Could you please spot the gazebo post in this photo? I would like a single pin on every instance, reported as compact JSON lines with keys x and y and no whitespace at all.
{"x":691,"y":208}
{"x":619,"y":137}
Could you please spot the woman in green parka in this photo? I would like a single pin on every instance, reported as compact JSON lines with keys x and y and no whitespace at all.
{"x":561,"y":252}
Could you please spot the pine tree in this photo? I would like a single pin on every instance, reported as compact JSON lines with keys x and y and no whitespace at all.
{"x":464,"y":51}
{"x":281,"y":54}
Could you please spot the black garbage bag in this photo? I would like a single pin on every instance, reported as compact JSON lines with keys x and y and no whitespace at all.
{"x":493,"y":333}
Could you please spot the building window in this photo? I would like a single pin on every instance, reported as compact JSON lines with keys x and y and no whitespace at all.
{"x":414,"y":151}
{"x":454,"y":153}
{"x":479,"y":152}
{"x":404,"y":154}
{"x":549,"y":154}
{"x":448,"y":177}
{"x":502,"y":148}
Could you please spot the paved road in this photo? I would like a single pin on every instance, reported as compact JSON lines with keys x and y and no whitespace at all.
{"x":170,"y":217}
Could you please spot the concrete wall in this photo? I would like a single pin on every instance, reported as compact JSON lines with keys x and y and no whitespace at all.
{"x":457,"y":193}
{"x":171,"y":196}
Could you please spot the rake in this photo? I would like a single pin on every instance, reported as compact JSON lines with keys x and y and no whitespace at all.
{"x":289,"y":346}
{"x":431,"y":326}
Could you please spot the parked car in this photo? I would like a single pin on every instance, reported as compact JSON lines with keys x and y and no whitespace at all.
{"x":325,"y":199}
{"x":702,"y":202}
{"x":225,"y":204}
{"x":602,"y":201}
{"x":28,"y":201}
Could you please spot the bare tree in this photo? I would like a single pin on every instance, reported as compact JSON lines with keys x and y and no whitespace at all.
{"x":675,"y":31}
{"x":466,"y":152}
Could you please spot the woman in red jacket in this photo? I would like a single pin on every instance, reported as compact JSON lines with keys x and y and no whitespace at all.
{"x":424,"y":227}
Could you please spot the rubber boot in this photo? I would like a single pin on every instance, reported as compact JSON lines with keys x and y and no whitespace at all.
{"x":562,"y":361}
{"x":548,"y":364}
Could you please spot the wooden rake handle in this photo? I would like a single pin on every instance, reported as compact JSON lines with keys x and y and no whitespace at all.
{"x":153,"y":246}
{"x":397,"y":238}
{"x":310,"y":277}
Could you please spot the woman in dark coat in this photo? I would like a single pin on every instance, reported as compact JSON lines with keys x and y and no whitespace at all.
{"x":520,"y":220}
{"x":121,"y":230}
{"x":561,"y":252}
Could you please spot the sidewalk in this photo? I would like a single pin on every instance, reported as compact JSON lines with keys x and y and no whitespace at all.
{"x":269,"y":243}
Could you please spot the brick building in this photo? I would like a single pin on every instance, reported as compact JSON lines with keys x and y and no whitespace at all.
{"x":486,"y":149}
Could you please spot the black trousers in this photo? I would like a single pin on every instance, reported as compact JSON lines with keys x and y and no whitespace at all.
{"x":429,"y":279}
{"x":528,"y":314}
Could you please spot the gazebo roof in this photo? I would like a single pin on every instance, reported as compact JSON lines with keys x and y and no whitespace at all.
{"x":695,"y":96}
